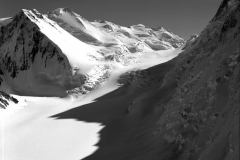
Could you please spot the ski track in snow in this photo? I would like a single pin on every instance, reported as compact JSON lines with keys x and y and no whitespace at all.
{"x":28,"y":132}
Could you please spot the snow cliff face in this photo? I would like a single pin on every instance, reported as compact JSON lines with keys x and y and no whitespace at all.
{"x":49,"y":54}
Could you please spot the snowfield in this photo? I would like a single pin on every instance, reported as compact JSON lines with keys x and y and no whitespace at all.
{"x":28,"y":133}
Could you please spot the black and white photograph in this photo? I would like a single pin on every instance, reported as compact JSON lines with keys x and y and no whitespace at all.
{"x":119,"y":79}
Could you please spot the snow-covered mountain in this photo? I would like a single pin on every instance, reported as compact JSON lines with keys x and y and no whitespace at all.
{"x":49,"y":54}
{"x":184,"y":109}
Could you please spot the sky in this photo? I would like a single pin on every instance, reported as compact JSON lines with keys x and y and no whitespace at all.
{"x":182,"y":17}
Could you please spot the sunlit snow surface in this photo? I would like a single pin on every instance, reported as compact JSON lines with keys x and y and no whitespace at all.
{"x":76,"y":51}
{"x":28,"y":132}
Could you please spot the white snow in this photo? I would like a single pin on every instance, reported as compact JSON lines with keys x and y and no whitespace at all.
{"x":150,"y":59}
{"x":27,"y":133}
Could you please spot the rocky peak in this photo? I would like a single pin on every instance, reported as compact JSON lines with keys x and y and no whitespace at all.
{"x":223,"y":27}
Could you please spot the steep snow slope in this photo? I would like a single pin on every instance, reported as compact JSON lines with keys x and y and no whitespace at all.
{"x":77,"y":52}
{"x":80,"y":27}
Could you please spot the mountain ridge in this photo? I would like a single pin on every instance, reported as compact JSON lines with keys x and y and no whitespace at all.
{"x":31,"y":35}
